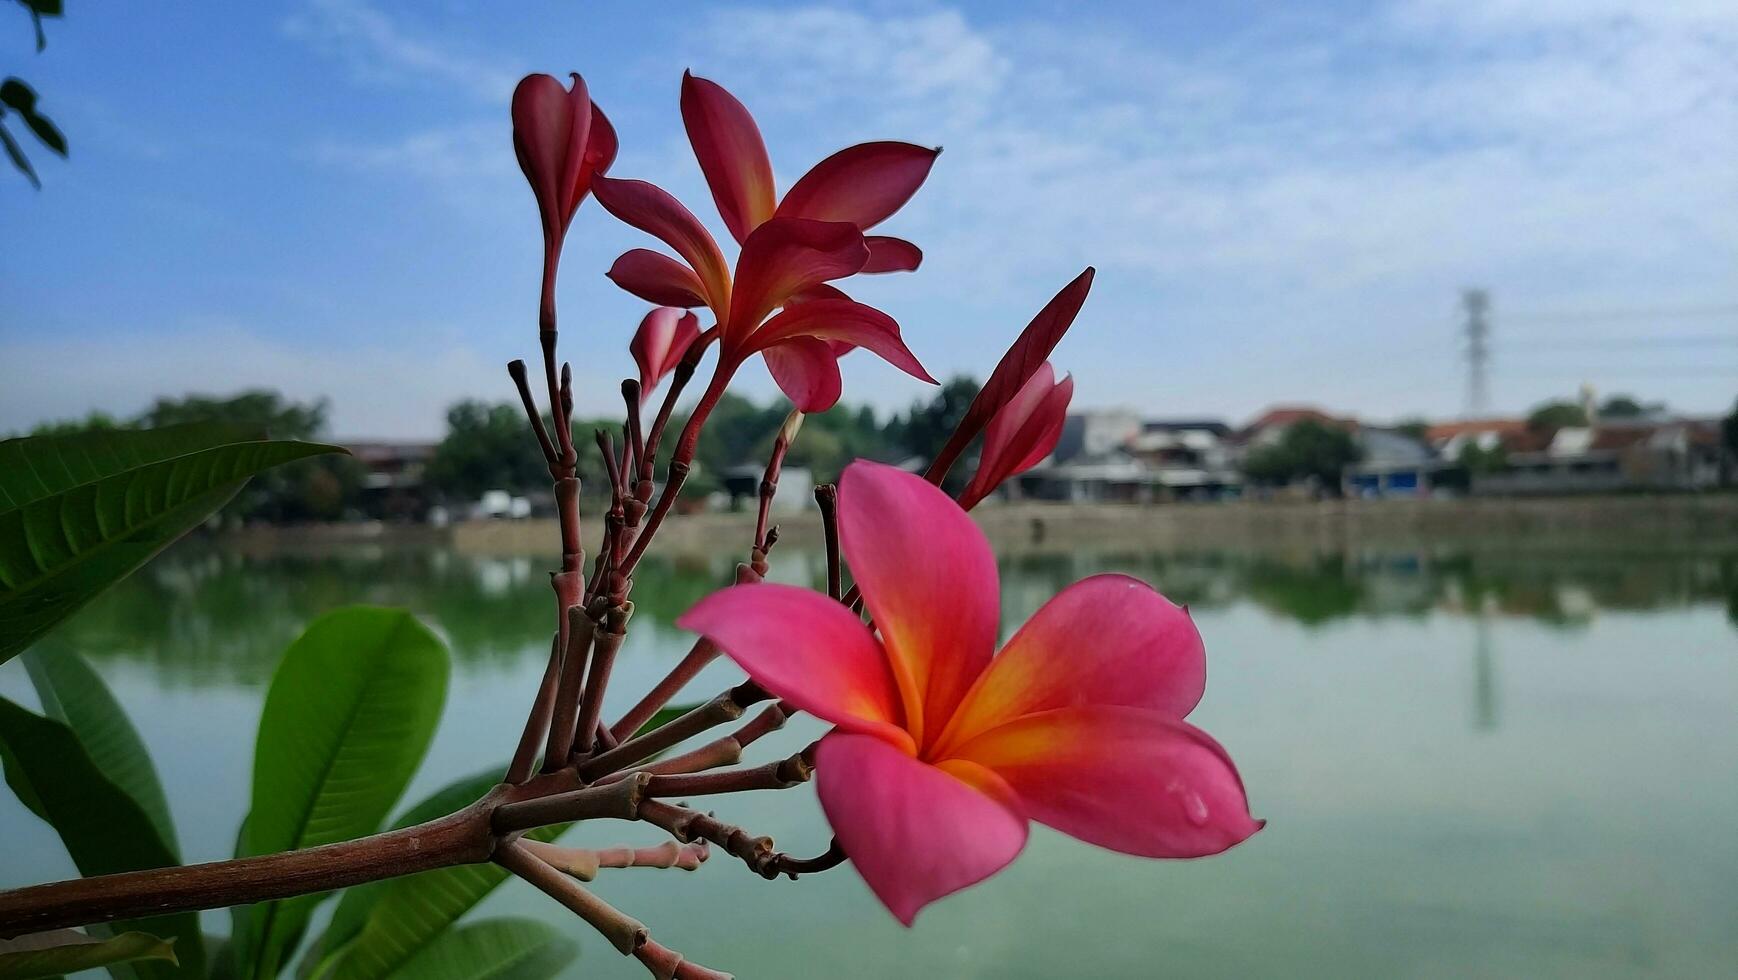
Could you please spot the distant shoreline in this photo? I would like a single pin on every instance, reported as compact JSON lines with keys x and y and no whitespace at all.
{"x":1680,"y":521}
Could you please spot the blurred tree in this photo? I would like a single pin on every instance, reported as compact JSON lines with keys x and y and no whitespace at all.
{"x":1306,"y":451}
{"x":319,"y":489}
{"x":491,"y":447}
{"x":1626,"y":407}
{"x":1413,"y":427}
{"x":1552,"y":415}
{"x":1477,"y":459}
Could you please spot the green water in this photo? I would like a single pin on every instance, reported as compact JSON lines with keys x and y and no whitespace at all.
{"x":1515,"y":763}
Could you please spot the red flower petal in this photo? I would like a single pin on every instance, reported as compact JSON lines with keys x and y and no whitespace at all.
{"x":652,"y":210}
{"x":914,"y":832}
{"x":892,"y":255}
{"x":1134,"y":781}
{"x":1108,"y":640}
{"x":731,"y":153}
{"x":1021,"y":434}
{"x":659,"y":344}
{"x":785,"y":256}
{"x":807,"y":371}
{"x":929,"y":580}
{"x":862,"y":184}
{"x":807,"y":649}
{"x":1030,"y":350}
{"x":657,"y":278}
{"x":840,"y":320}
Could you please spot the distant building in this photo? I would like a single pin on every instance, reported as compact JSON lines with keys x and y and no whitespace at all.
{"x":1116,"y":456}
{"x":1394,"y":464}
{"x":1679,"y":454}
{"x":1269,"y":427}
{"x":392,"y":483}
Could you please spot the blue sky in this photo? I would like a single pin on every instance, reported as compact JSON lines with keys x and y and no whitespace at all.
{"x":1283,"y":200}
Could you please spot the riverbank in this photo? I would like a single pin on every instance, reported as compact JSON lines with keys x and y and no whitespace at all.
{"x":1686,"y":521}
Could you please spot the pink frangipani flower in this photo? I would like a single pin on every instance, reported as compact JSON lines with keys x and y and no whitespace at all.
{"x":659,"y":344}
{"x":563,"y":142}
{"x":790,"y":249}
{"x":1020,"y":435}
{"x":943,"y":750}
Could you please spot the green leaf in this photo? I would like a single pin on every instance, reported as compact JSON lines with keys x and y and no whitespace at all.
{"x":15,"y":93}
{"x":493,"y":949}
{"x":346,"y":722}
{"x":378,"y":928}
{"x":664,"y":717}
{"x":73,"y":694}
{"x":80,"y":512}
{"x":104,"y":829}
{"x":19,"y":160}
{"x":47,"y":954}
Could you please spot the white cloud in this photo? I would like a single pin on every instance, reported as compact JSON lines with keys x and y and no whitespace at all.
{"x":379,"y":49}
{"x":1326,"y":190}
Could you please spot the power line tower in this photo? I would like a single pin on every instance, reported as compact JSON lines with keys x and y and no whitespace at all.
{"x":1475,"y":304}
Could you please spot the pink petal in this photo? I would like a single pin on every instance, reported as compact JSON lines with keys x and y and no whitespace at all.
{"x":1021,"y":434}
{"x":807,"y":371}
{"x":657,"y":278}
{"x":1031,"y":349}
{"x":652,"y":210}
{"x":840,"y":320}
{"x":929,"y":581}
{"x":892,"y":255}
{"x":1108,"y":640}
{"x":600,"y":152}
{"x":731,"y":153}
{"x":550,"y":126}
{"x":862,"y":184}
{"x":659,"y":344}
{"x":914,"y":832}
{"x":1131,"y":780}
{"x":785,"y":256}
{"x":807,"y":649}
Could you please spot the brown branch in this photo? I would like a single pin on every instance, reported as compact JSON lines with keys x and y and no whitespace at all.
{"x":827,"y":499}
{"x":831,"y":858}
{"x":538,"y":721}
{"x":603,"y":660}
{"x":459,"y":838}
{"x":585,"y":862}
{"x":780,"y":774}
{"x":516,"y":369}
{"x":626,"y":934}
{"x":703,"y":652}
{"x":725,"y":707}
{"x":613,"y":801}
{"x":690,"y":825}
{"x":667,"y":964}
{"x":580,"y":631}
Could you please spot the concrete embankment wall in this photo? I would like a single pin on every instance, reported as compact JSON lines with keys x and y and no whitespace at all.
{"x":1678,"y":521}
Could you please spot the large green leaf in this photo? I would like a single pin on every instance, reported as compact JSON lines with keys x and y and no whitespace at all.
{"x":80,"y":512}
{"x":493,"y":949}
{"x":377,"y":929}
{"x":346,"y":722}
{"x":104,"y":829}
{"x":48,"y":954}
{"x":73,"y":694}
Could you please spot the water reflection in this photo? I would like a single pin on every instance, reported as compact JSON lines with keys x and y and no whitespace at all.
{"x":206,"y":614}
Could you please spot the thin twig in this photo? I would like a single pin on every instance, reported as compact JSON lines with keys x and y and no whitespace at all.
{"x":780,"y":774}
{"x":581,"y":630}
{"x":625,"y":933}
{"x":538,"y":722}
{"x":585,"y":862}
{"x":725,"y":707}
{"x":827,"y":499}
{"x":516,"y":369}
{"x":614,"y":801}
{"x":603,"y":658}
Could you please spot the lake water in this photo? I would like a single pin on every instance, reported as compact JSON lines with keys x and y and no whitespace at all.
{"x":1474,"y":762}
